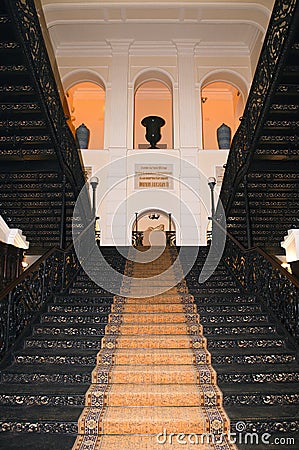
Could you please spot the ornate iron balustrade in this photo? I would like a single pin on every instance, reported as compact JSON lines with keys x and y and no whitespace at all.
{"x":27,"y":26}
{"x":23,"y":299}
{"x":264,"y":277}
{"x":137,"y":238}
{"x":278,"y":37}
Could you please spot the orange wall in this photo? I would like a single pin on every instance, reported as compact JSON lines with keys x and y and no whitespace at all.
{"x":87,"y":105}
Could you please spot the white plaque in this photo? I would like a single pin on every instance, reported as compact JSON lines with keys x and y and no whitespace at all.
{"x":153,"y":176}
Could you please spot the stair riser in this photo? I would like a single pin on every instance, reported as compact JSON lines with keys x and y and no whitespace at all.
{"x":75,"y":319}
{"x":164,"y":329}
{"x":79,"y":309}
{"x":72,"y":331}
{"x":227,"y":300}
{"x":42,"y":400}
{"x":287,"y":426}
{"x":63,"y":344}
{"x":82,"y":300}
{"x":253,"y":359}
{"x":213,"y":290}
{"x":258,"y":377}
{"x":39,"y":427}
{"x":59,"y":378}
{"x":56,"y":360}
{"x":232,"y":319}
{"x":240,"y":331}
{"x":217,"y":344}
{"x":148,"y":378}
{"x":151,"y":400}
{"x":154,"y":308}
{"x":154,"y":318}
{"x":261,"y":399}
{"x":225,"y":309}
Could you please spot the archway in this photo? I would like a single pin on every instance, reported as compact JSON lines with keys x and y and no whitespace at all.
{"x":221,"y":103}
{"x":87,"y":105}
{"x":153,"y":97}
{"x":153,"y":220}
{"x":232,"y":88}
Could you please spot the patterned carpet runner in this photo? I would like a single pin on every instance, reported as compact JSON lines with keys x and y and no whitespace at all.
{"x":153,"y":386}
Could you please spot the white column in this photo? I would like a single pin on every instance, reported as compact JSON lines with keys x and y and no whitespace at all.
{"x":187,"y":95}
{"x":118,"y":93}
{"x":291,"y":245}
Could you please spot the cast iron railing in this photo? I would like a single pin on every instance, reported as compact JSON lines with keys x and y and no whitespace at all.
{"x":277,"y":41}
{"x":263,"y":276}
{"x":23,"y":299}
{"x":27,"y":26}
{"x":137,"y":238}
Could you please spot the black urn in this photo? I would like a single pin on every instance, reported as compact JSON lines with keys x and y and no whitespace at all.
{"x":153,"y":126}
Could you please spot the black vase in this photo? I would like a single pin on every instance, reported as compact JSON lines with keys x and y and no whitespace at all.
{"x":153,"y":126}
{"x":82,"y":134}
{"x":224,"y":136}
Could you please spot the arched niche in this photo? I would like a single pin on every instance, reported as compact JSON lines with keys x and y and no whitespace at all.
{"x":222,"y":101}
{"x":85,"y":93}
{"x":154,"y":218}
{"x":153,"y":97}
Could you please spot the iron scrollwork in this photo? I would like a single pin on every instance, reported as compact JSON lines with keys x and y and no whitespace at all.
{"x":22,"y":299}
{"x":32,"y":41}
{"x":242,"y":149}
{"x":268,"y":281}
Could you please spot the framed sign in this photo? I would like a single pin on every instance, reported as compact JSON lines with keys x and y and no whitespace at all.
{"x":153,"y":176}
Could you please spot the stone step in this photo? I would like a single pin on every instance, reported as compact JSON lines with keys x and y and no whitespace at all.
{"x":228,"y":299}
{"x":266,"y":394}
{"x":155,"y":374}
{"x":33,"y":394}
{"x":249,"y":356}
{"x":65,"y":308}
{"x":165,"y":329}
{"x":157,"y":356}
{"x":125,"y":394}
{"x":246,"y":342}
{"x":213,"y":308}
{"x":71,"y":331}
{"x":152,"y":308}
{"x":37,"y":441}
{"x":91,"y":291}
{"x":64,"y":342}
{"x":149,"y":420}
{"x":265,"y":419}
{"x":226,"y":318}
{"x":214,"y":283}
{"x":36,"y":420}
{"x":278,"y":373}
{"x":154,"y":317}
{"x":84,"y":299}
{"x":47,"y":373}
{"x":239,"y":330}
{"x":70,"y":356}
{"x":160,"y":341}
{"x":200,"y":289}
{"x":76,"y":318}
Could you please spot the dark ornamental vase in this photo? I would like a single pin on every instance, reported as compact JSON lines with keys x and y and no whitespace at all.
{"x":82,"y":134}
{"x":224,"y":136}
{"x":153,"y":126}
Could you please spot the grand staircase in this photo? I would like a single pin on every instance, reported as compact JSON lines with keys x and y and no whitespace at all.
{"x":41,"y":172}
{"x":42,"y":393}
{"x":260,"y":191}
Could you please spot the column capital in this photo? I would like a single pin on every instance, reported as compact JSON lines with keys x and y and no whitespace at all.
{"x":120,"y":46}
{"x":185,"y":46}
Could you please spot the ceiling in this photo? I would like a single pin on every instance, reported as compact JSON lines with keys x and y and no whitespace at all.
{"x":235,"y":25}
